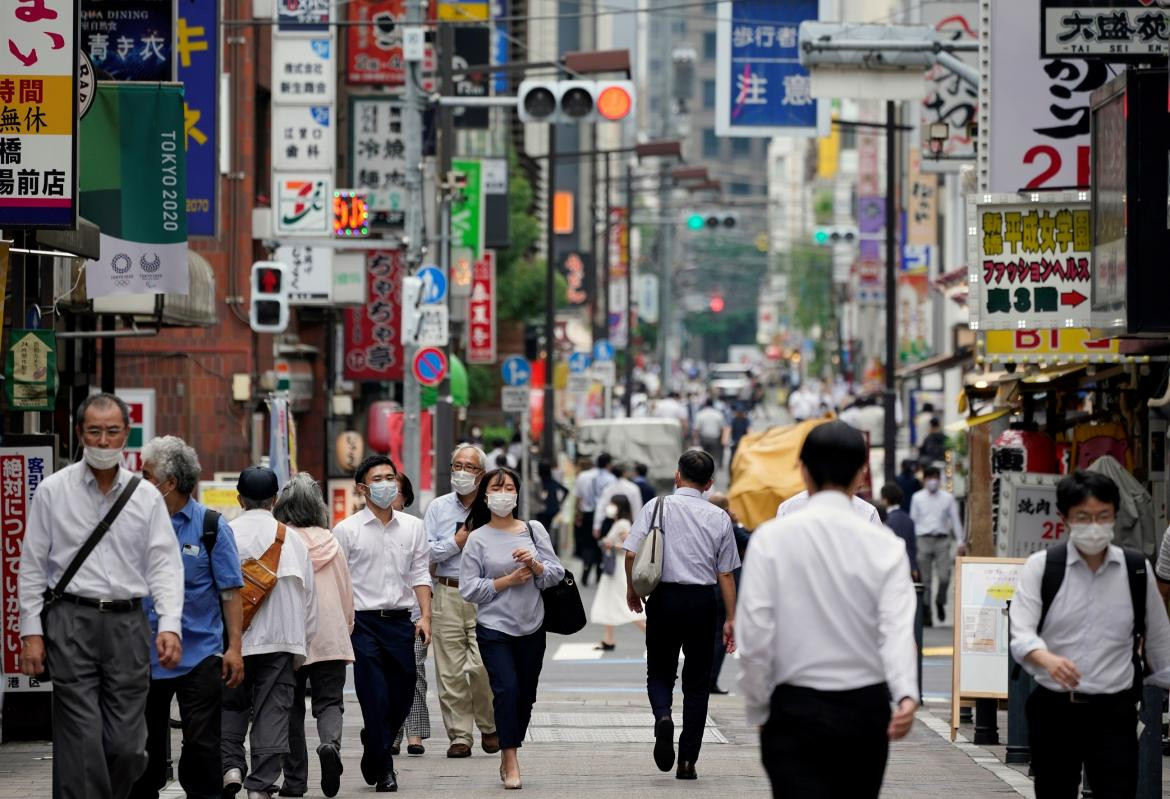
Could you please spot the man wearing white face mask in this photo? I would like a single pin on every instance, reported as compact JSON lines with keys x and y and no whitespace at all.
{"x":388,"y":557}
{"x":1077,"y":618}
{"x":93,"y":630}
{"x":935,"y":514}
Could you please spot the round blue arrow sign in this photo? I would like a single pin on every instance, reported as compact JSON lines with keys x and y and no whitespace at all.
{"x":434,"y":285}
{"x":578,"y":362}
{"x":516,"y":371}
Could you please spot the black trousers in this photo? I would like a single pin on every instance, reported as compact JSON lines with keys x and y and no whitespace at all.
{"x":513,"y":665}
{"x":200,"y":692}
{"x":383,"y":676}
{"x":588,"y":549}
{"x":807,"y":732}
{"x":1099,"y":735}
{"x":680,"y":617}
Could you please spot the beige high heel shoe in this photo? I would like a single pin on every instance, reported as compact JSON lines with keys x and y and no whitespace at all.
{"x":512,"y":784}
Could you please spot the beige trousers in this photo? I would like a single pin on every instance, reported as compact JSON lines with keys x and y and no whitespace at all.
{"x":465,"y":696}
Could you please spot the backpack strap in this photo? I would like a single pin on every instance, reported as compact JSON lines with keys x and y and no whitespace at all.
{"x":1135,"y":569}
{"x":210,"y":533}
{"x":1055,"y":562}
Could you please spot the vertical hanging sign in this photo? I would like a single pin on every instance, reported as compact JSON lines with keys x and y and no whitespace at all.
{"x":197,"y":54}
{"x":481,"y":311}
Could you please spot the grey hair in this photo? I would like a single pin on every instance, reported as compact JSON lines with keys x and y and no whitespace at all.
{"x":479,"y":453}
{"x":300,"y":504}
{"x":172,"y":457}
{"x":100,"y":400}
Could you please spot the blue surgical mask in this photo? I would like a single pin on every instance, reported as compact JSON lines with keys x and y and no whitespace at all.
{"x":383,"y":493}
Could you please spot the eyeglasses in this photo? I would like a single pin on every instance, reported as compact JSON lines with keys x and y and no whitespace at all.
{"x":1104,"y":517}
{"x":96,"y":432}
{"x":465,"y":467}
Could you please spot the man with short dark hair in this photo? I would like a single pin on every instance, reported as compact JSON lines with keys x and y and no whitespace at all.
{"x":94,"y":632}
{"x":900,"y":522}
{"x":934,"y":446}
{"x":1080,"y":642}
{"x":680,"y":614}
{"x":824,"y":649}
{"x":935,"y":514}
{"x":642,"y":481}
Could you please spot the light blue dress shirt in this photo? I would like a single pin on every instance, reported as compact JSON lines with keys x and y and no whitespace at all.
{"x":698,"y":541}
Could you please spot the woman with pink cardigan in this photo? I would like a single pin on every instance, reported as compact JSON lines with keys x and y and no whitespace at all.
{"x":301,"y":507}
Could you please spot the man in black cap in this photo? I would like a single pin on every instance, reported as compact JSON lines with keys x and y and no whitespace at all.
{"x":274,"y":643}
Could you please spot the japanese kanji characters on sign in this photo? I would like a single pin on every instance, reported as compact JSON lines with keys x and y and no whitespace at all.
{"x":1028,"y":520}
{"x":310,"y":273}
{"x":302,"y":203}
{"x":372,"y":347}
{"x":1119,"y":31}
{"x":377,"y":164}
{"x":481,"y":311}
{"x":949,"y":99}
{"x":1029,"y":262}
{"x":305,"y":137}
{"x":300,"y":16}
{"x":374,"y":51}
{"x":25,"y":462}
{"x":197,"y":53}
{"x":130,"y":39}
{"x":38,"y":113}
{"x":761,"y":88}
{"x":302,"y":70}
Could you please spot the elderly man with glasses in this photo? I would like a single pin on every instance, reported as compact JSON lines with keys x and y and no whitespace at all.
{"x":465,"y":696}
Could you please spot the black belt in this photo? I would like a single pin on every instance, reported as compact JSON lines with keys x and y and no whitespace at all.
{"x":396,"y":613}
{"x":1076,"y":698}
{"x":104,"y":605}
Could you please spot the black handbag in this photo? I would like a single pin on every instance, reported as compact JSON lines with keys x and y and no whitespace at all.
{"x":55,"y":593}
{"x":564,"y":613}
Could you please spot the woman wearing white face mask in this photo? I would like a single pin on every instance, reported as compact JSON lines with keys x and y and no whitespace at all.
{"x":609,"y":603}
{"x":506,"y":564}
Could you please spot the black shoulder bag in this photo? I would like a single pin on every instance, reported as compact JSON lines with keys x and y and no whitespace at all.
{"x":564,"y":614}
{"x":51,"y":595}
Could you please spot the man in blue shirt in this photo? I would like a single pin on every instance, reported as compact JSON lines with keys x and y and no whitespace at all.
{"x":211,"y":596}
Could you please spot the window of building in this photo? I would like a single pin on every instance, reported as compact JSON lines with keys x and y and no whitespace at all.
{"x":740,"y":188}
{"x":710,"y":143}
{"x":709,"y":45}
{"x":708,"y":94}
{"x":741,"y":146}
{"x":679,"y":26}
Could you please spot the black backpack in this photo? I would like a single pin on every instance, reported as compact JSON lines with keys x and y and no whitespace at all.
{"x":1055,"y":561}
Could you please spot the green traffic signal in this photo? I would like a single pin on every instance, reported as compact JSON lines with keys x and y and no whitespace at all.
{"x":821,"y":237}
{"x":696,"y":222}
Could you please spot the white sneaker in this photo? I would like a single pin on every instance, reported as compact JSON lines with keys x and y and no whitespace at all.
{"x":233,"y":780}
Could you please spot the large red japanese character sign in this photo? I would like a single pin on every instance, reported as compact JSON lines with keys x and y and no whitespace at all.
{"x":481,"y":311}
{"x":373,"y":348}
{"x":38,"y":113}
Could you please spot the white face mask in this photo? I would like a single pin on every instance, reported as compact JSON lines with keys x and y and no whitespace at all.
{"x":611,"y":511}
{"x":501,"y":504}
{"x":101,"y":458}
{"x":463,"y":482}
{"x":1091,"y":539}
{"x":932,"y":485}
{"x":384,"y":493}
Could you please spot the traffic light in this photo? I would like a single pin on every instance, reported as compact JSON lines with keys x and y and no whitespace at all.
{"x":716,"y":303}
{"x":268,"y":311}
{"x":828,"y":235}
{"x":712,"y":220}
{"x":575,"y":100}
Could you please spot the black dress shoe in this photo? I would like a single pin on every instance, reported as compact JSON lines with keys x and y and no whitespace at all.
{"x":604,"y":647}
{"x":942,"y":611}
{"x":369,"y":762}
{"x":686,"y":771}
{"x":289,"y":792}
{"x":388,"y":783}
{"x":717,"y":691}
{"x":415,"y":749}
{"x":395,"y":749}
{"x":331,"y":769}
{"x":664,"y":743}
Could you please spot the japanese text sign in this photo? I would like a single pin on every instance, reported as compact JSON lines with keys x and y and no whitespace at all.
{"x":1028,"y":519}
{"x":949,"y":99}
{"x":197,"y":51}
{"x":467,"y":211}
{"x":302,"y":70}
{"x":1028,"y":262}
{"x":1057,"y":345}
{"x":303,"y":137}
{"x":760,"y":88}
{"x":1115,"y":30}
{"x":38,"y":113}
{"x":374,"y":51}
{"x":25,"y":462}
{"x":372,"y":348}
{"x":303,"y":203}
{"x":481,"y":311}
{"x":377,"y":163}
{"x":296,"y":16}
{"x":30,"y":370}
{"x":130,"y":39}
{"x":310,"y":273}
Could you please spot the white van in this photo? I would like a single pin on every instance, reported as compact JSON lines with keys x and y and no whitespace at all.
{"x":658,"y":443}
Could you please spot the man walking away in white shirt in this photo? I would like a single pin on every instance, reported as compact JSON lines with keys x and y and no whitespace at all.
{"x":712,"y":428}
{"x":824,"y":649}
{"x":622,"y":485}
{"x":388,"y":558}
{"x":95,"y":633}
{"x":1080,"y":611}
{"x":935,"y":514}
{"x":275,"y":644}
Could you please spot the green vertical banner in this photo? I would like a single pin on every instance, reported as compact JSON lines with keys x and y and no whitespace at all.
{"x":134,"y":187}
{"x":467,"y":213}
{"x":30,"y":370}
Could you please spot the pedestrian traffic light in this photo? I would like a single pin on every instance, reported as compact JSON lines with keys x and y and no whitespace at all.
{"x":828,"y":235}
{"x":574,"y":101}
{"x":716,"y":303}
{"x":268,"y":311}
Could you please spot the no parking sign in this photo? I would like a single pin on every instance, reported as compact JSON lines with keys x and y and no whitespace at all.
{"x":430,"y":366}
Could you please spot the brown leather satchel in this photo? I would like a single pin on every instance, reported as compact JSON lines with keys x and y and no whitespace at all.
{"x":260,"y":577}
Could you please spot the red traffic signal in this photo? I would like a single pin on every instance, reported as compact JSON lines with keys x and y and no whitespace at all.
{"x":716,"y":303}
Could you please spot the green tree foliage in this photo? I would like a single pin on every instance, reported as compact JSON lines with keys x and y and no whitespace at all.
{"x":520,"y":275}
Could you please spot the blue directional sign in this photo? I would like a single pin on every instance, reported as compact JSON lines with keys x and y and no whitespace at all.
{"x":579,"y":363}
{"x":434,"y":285}
{"x":516,"y":371}
{"x":602,"y":350}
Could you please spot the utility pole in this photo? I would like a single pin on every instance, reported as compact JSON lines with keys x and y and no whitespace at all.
{"x":549,"y":443}
{"x":412,"y":126}
{"x":890,"y":432}
{"x":629,"y":381}
{"x":443,"y":430}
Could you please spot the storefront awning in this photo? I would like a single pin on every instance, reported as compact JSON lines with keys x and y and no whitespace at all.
{"x":939,"y":363}
{"x":197,"y":307}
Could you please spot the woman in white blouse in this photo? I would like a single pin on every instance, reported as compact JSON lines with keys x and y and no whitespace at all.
{"x":609,"y":603}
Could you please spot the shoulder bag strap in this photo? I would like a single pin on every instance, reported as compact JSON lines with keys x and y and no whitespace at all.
{"x":210,"y":534}
{"x":1055,"y":562}
{"x":271,"y":556}
{"x":94,"y":538}
{"x":657,"y":514}
{"x":1135,"y":567}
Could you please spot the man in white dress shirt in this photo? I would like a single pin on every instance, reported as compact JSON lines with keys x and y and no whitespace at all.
{"x":622,"y":485}
{"x":825,"y":650}
{"x":1081,"y":647}
{"x":935,"y":514}
{"x":94,"y":632}
{"x":389,"y":564}
{"x":275,"y":643}
{"x":465,"y":695}
{"x":863,"y":510}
